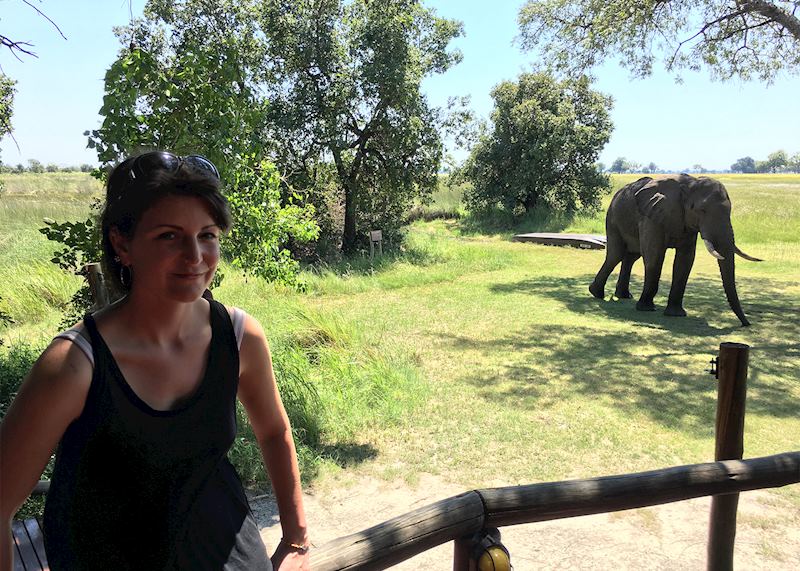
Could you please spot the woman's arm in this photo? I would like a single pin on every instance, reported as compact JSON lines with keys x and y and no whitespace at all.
{"x":259,"y":395}
{"x":50,"y":398}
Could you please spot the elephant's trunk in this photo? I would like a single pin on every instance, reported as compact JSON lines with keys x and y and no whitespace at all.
{"x":746,"y":256}
{"x":728,"y":273}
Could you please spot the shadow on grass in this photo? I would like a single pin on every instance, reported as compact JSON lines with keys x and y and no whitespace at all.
{"x":341,"y":454}
{"x":360,"y":264}
{"x":347,"y":454}
{"x":648,"y":363}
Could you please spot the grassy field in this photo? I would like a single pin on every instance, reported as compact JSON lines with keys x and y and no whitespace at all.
{"x":487,"y":361}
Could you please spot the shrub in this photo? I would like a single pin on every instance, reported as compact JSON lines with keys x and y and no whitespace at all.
{"x":15,"y":362}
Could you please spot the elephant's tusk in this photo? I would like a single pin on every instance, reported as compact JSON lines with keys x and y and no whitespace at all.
{"x":745,"y":256}
{"x":711,"y":250}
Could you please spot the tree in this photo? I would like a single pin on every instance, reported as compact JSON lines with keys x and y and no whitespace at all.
{"x":620,"y":165}
{"x":329,"y":89}
{"x":776,"y":161}
{"x":347,"y":106}
{"x":732,"y":38}
{"x":6,"y":104}
{"x":186,"y":82}
{"x":744,"y":165}
{"x":650,"y":168}
{"x":542,"y":146}
{"x":794,"y":163}
{"x":35,"y":166}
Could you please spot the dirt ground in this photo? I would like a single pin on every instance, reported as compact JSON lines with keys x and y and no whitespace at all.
{"x":668,"y":537}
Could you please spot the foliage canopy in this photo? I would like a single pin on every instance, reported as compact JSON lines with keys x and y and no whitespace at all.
{"x":346,"y":90}
{"x":542,"y":146}
{"x":187,"y":84}
{"x":327,"y":89}
{"x":6,"y":104}
{"x":732,"y":38}
{"x":744,"y":165}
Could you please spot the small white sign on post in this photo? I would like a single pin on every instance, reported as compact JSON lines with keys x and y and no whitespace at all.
{"x":375,"y":238}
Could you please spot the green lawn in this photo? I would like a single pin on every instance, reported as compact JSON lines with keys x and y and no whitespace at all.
{"x":488,"y":362}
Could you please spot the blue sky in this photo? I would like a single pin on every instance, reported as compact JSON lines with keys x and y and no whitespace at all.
{"x":676,"y":126}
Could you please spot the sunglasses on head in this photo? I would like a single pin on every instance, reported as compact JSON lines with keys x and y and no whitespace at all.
{"x":162,"y":160}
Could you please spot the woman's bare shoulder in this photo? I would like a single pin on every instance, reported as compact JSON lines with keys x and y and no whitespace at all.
{"x":64,"y":362}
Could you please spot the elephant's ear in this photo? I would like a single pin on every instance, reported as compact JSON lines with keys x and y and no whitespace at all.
{"x":662,"y":202}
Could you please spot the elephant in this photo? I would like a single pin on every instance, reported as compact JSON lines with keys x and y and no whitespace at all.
{"x":650,"y":215}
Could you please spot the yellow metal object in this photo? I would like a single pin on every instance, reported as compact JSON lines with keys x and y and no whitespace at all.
{"x":494,"y":558}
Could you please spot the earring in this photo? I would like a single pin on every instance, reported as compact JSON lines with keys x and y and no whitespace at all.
{"x":125,"y":280}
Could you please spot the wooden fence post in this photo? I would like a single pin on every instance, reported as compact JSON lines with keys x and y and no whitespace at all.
{"x":731,"y":393}
{"x":97,"y":285}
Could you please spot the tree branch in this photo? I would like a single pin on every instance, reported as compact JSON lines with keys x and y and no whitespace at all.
{"x":774,"y":13}
{"x":43,"y":15}
{"x":12,"y":45}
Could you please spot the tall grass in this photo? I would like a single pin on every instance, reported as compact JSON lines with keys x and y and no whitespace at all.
{"x":338,"y":379}
{"x":77,"y":184}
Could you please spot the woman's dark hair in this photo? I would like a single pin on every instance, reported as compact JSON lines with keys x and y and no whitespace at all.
{"x":128,"y":197}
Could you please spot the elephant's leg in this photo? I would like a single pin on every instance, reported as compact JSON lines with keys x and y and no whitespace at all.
{"x":615,"y":252}
{"x":623,"y":290}
{"x":684,"y":260}
{"x":653,"y":245}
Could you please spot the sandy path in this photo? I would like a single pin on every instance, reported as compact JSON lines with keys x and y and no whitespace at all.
{"x":672,"y":536}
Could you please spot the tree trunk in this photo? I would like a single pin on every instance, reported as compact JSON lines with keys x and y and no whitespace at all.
{"x":349,"y":237}
{"x":349,"y":188}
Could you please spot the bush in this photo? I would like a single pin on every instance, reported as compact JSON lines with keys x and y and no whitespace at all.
{"x":81,"y":246}
{"x":262,"y":225}
{"x":15,"y":362}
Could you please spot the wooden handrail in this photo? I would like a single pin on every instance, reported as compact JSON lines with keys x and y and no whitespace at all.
{"x":556,"y":500}
{"x":404,"y":536}
{"x":407,"y":535}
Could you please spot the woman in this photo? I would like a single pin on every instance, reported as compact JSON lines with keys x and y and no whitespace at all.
{"x":140,"y":399}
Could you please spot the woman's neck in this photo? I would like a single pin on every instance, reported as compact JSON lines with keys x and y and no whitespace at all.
{"x":157,"y":321}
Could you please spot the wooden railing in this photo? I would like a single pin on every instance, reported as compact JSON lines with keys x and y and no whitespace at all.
{"x":461,"y":516}
{"x":465,"y":518}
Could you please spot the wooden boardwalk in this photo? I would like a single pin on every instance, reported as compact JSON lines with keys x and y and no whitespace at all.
{"x":587,"y":241}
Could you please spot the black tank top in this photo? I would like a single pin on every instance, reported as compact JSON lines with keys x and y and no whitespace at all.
{"x":141,"y":489}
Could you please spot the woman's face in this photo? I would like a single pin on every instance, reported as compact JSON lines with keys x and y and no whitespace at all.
{"x":175,"y":249}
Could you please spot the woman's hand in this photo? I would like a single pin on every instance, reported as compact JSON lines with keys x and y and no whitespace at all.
{"x":288,"y":558}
